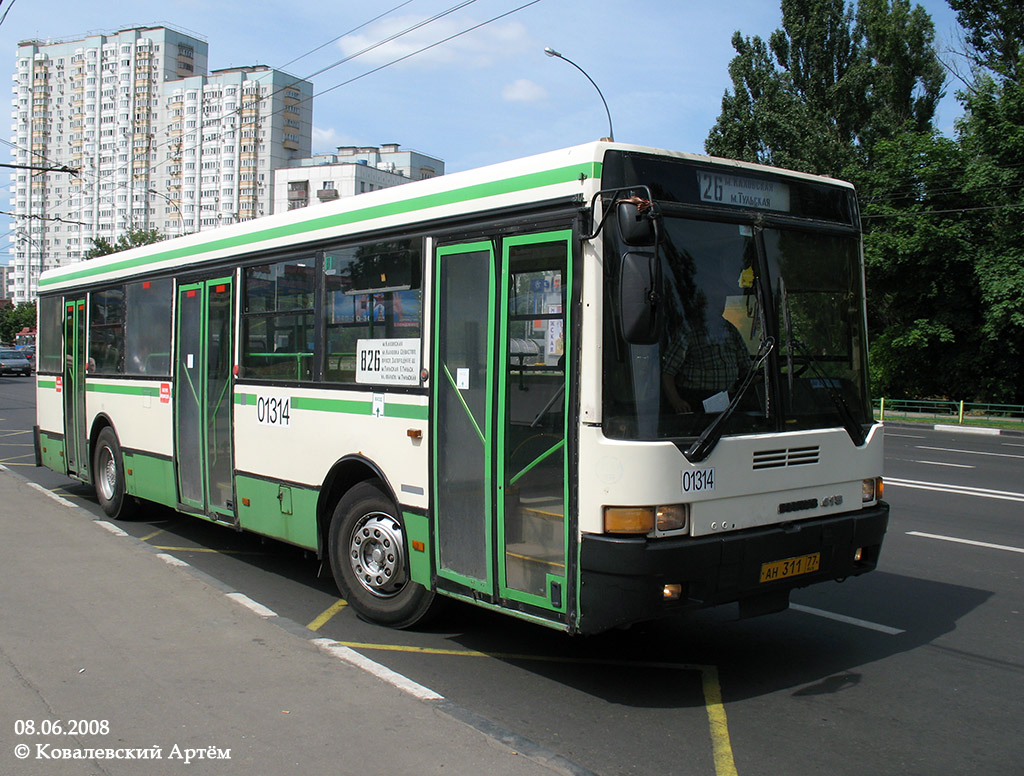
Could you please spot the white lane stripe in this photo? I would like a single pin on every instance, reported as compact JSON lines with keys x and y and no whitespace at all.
{"x":1003,"y":495}
{"x":954,"y":465}
{"x":973,"y":543}
{"x":968,"y":452}
{"x":52,"y":495}
{"x":848,"y":620}
{"x":248,"y":603}
{"x":383,"y":673}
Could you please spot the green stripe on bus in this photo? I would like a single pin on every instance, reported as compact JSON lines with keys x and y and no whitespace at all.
{"x":345,"y":406}
{"x":47,"y":384}
{"x":477,"y":191}
{"x":128,"y":390}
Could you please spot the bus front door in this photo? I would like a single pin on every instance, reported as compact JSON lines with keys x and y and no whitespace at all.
{"x":204,"y":366}
{"x":76,"y":362}
{"x":500,"y":418}
{"x":533,"y":397}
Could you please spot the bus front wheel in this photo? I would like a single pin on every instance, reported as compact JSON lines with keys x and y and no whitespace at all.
{"x":108,"y":476}
{"x":370,"y":559}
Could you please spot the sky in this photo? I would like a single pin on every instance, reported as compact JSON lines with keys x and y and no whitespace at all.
{"x":485,"y":96}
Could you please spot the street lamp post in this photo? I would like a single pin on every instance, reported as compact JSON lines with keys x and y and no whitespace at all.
{"x":552,"y":53}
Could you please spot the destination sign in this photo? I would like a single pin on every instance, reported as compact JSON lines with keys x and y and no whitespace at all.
{"x":736,"y":190}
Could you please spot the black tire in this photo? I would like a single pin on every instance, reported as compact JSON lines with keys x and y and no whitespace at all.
{"x":108,"y":478}
{"x":370,"y":560}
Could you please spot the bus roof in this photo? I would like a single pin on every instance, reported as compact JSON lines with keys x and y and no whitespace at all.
{"x":566,"y":173}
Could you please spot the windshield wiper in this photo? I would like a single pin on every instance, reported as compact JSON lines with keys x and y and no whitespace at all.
{"x":853,"y":428}
{"x":706,"y":442}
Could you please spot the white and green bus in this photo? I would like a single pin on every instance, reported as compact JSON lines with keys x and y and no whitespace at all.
{"x":592,"y":387}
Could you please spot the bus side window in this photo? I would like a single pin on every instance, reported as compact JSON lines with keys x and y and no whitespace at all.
{"x":372,"y":292}
{"x":148,"y":335}
{"x":106,"y":331}
{"x":279,"y":321}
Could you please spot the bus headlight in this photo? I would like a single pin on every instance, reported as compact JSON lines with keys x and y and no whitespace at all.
{"x":871,"y":489}
{"x":673,"y":517}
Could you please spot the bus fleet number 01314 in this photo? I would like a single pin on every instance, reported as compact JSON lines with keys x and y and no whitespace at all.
{"x":273,"y":410}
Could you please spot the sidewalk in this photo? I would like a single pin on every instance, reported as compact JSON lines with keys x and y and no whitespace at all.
{"x":96,"y":628}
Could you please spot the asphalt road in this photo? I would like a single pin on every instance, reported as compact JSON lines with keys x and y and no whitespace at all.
{"x":917,"y":668}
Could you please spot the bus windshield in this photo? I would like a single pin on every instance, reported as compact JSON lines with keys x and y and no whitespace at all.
{"x":777,"y":308}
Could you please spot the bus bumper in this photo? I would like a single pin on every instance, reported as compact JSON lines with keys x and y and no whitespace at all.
{"x":623,"y":578}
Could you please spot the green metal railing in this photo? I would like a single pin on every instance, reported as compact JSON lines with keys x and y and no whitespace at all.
{"x":962,"y":413}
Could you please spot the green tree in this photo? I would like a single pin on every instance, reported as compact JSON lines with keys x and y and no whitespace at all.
{"x":14,"y":319}
{"x":924,"y":309}
{"x":831,"y":83}
{"x":133,"y":238}
{"x":991,"y":134}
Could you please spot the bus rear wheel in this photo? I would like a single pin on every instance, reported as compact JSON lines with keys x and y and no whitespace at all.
{"x":370,"y":559}
{"x":108,"y":477}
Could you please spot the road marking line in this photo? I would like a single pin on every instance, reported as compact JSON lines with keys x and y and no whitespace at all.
{"x":969,"y":452}
{"x":718,"y":722}
{"x":941,"y":463}
{"x":51,"y":495}
{"x":324,"y":616}
{"x":963,"y":490}
{"x":903,"y":436}
{"x":208,"y":549}
{"x":395,"y":679}
{"x":15,"y":433}
{"x":848,"y":620}
{"x":109,"y":526}
{"x":254,"y":606}
{"x":147,"y":537}
{"x":966,"y":541}
{"x":171,"y":560}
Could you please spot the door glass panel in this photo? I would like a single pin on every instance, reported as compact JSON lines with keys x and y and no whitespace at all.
{"x":219,"y":467}
{"x":463,"y":412}
{"x":187,"y":392}
{"x":74,"y":388}
{"x":534,"y":456}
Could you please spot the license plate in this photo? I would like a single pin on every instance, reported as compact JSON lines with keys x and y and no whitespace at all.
{"x":790,"y":567}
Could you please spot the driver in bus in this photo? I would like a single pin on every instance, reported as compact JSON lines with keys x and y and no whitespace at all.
{"x":703,"y":361}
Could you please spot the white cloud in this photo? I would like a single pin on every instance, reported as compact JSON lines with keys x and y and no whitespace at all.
{"x":524,"y":90}
{"x":326,"y":140}
{"x":478,"y":48}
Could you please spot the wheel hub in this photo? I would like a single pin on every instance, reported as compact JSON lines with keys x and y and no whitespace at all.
{"x":377,"y":556}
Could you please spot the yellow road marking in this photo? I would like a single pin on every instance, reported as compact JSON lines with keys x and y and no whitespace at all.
{"x":14,"y":463}
{"x":15,"y":433}
{"x":147,"y":537}
{"x":717,"y":721}
{"x":16,"y":457}
{"x":207,"y":549}
{"x":327,"y":614}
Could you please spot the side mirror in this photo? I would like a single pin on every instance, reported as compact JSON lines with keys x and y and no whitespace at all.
{"x":636,"y":226}
{"x":639,"y":297}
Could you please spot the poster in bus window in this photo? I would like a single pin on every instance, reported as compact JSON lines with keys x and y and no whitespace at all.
{"x":405,"y":308}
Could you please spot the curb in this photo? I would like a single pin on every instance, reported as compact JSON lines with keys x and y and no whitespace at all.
{"x":977,"y":430}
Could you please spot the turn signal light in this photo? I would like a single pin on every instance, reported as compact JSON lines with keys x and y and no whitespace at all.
{"x":629,"y":520}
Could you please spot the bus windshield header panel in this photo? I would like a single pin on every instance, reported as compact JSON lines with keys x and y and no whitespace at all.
{"x":740,"y":190}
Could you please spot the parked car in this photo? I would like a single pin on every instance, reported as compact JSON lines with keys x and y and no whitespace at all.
{"x":13,"y":362}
